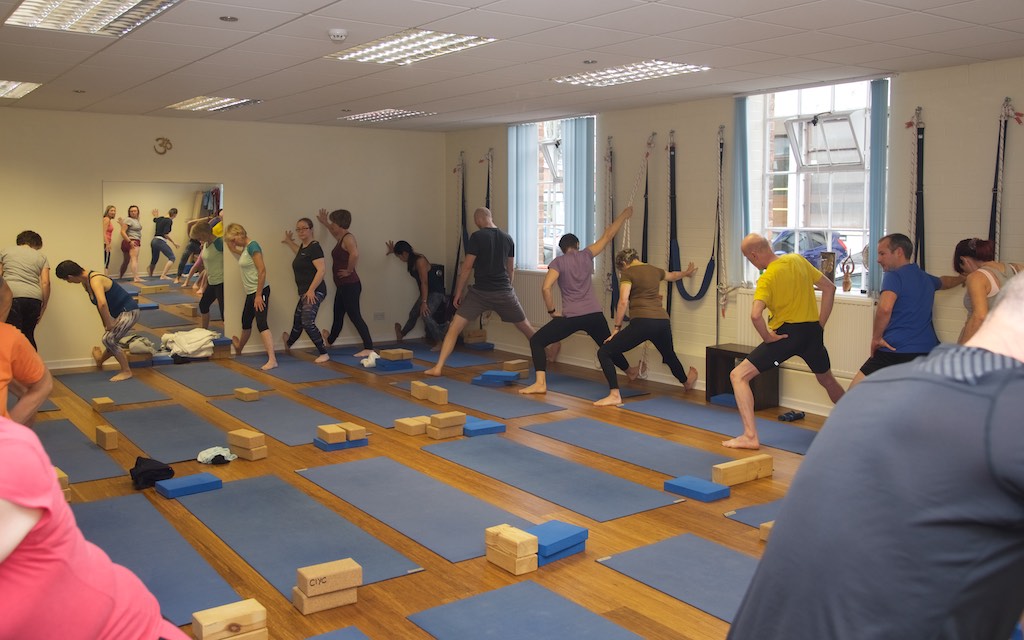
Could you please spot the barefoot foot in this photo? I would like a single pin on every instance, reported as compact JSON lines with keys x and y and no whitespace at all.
{"x":742,"y":442}
{"x":322,"y":358}
{"x":365,"y":353}
{"x":536,"y":387}
{"x":97,"y":355}
{"x":271,"y":364}
{"x":326,"y":334}
{"x":284,"y":341}
{"x":124,"y":375}
{"x":691,"y":378}
{"x":237,"y":345}
{"x":398,"y":332}
{"x":612,"y":399}
{"x":434,"y":371}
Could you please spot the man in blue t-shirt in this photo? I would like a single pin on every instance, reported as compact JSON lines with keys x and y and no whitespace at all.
{"x":903,"y":319}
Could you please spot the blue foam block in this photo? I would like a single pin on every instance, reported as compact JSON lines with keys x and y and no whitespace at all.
{"x":393,"y":365}
{"x":220,"y":342}
{"x":187,"y":485}
{"x":697,"y":488}
{"x":480,"y":346}
{"x":148,"y":305}
{"x":481,"y":427}
{"x":163,"y":359}
{"x":338,"y":446}
{"x":504,"y":376}
{"x":138,"y":364}
{"x":487,"y":382}
{"x":724,"y":400}
{"x":564,"y":553}
{"x":555,"y":536}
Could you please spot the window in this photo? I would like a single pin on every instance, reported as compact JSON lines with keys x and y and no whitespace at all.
{"x":551,"y":187}
{"x":809,"y":173}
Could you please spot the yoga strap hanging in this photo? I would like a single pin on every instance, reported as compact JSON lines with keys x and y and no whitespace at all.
{"x":995,"y":219}
{"x":626,"y":244}
{"x":609,"y":191}
{"x":674,"y":259}
{"x":460,"y":173}
{"x":489,"y":159}
{"x":916,"y":223}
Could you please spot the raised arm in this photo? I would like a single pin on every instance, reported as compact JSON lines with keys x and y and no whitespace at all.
{"x":325,"y":220}
{"x":289,"y":241}
{"x":672,"y":276}
{"x":610,"y":232}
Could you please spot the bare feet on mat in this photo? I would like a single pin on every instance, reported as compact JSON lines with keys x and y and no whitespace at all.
{"x":433,"y":371}
{"x":614,"y":398}
{"x":97,"y":355}
{"x":742,"y":442}
{"x":124,"y":375}
{"x":691,"y":378}
{"x":326,"y":334}
{"x":237,"y":345}
{"x":271,"y":364}
{"x":536,"y":387}
{"x":322,"y":358}
{"x":398,"y":332}
{"x":284,"y":341}
{"x":364,"y":353}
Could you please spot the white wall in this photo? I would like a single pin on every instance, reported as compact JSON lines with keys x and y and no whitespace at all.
{"x":54,"y":166}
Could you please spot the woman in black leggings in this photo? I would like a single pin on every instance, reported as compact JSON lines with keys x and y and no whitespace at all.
{"x":308,"y":266}
{"x":640,"y":292}
{"x":345,"y":255}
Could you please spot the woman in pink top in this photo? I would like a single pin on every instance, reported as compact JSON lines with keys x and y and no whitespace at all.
{"x":54,"y":583}
{"x":108,"y":235}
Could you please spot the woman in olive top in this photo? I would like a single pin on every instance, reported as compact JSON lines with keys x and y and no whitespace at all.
{"x":640,"y":292}
{"x":257,"y":291}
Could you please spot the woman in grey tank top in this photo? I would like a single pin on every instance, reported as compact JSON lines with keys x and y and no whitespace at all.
{"x":975,"y":258}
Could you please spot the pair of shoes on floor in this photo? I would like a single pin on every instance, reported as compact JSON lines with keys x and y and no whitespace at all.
{"x":790,"y":416}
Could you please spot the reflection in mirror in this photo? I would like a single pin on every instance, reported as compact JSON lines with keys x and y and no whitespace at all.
{"x":153,"y":255}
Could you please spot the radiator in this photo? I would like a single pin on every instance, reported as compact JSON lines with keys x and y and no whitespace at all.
{"x":527,"y":285}
{"x":847,"y":334}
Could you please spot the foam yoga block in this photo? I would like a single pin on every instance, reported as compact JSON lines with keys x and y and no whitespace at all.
{"x":187,"y":485}
{"x":393,"y":365}
{"x":338,"y":446}
{"x":487,"y":382}
{"x":501,"y":376}
{"x":697,"y":488}
{"x":479,"y":346}
{"x":555,"y":536}
{"x":480,"y":427}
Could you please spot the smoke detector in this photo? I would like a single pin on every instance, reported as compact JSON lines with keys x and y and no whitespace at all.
{"x":338,"y":35}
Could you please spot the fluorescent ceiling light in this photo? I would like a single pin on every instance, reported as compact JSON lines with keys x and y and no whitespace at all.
{"x":411,"y":45}
{"x":105,"y":17}
{"x":14,"y":90}
{"x":647,"y":70}
{"x":386,"y":114}
{"x":212,"y":104}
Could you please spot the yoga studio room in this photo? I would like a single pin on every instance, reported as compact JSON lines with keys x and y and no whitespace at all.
{"x":509,"y":319}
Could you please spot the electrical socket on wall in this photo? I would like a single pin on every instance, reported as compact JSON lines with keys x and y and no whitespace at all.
{"x":378,"y":315}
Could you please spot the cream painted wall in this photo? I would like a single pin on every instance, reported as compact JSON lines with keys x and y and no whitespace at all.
{"x":54,"y":166}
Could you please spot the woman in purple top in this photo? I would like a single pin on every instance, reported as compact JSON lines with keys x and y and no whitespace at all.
{"x":581,"y":310}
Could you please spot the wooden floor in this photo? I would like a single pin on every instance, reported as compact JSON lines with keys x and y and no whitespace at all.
{"x":382,"y":608}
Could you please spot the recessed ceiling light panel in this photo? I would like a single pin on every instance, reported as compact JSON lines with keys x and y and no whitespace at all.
{"x":647,"y":70}
{"x":386,"y":114}
{"x":411,"y":45}
{"x":212,"y":104}
{"x":102,"y":17}
{"x":13,"y":90}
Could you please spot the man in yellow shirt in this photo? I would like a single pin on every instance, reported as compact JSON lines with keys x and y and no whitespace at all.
{"x":794,"y":328}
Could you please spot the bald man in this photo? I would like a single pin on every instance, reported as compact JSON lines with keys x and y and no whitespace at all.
{"x":795,"y":327}
{"x":490,"y":257}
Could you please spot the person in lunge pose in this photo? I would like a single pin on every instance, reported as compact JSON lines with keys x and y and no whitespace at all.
{"x":430,"y":301}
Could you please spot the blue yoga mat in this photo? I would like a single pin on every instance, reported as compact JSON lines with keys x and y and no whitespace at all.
{"x":699,"y":572}
{"x":277,"y":529}
{"x":726,"y":422}
{"x":756,"y":515}
{"x":74,"y":453}
{"x":348,"y":633}
{"x":502,"y":404}
{"x":292,"y":369}
{"x":595,"y":494}
{"x":159,"y":319}
{"x":523,"y":611}
{"x":136,"y":535}
{"x":278,"y":417}
{"x":457,"y":359}
{"x":169,"y":434}
{"x":640,"y":449}
{"x":97,"y":384}
{"x":453,"y":525}
{"x":210,"y":379}
{"x":172,"y":297}
{"x":379,"y":407}
{"x":581,"y":387}
{"x":350,"y":361}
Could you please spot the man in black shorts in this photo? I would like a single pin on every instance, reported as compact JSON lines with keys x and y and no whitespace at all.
{"x":903,"y":327}
{"x":794,"y":327}
{"x":489,"y":256}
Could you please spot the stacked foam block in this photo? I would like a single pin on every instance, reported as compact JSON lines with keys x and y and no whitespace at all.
{"x":480,"y":427}
{"x":557,"y":540}
{"x":247,"y":444}
{"x":245,"y":620}
{"x":394,"y":359}
{"x":512,"y":549}
{"x":446,"y":425}
{"x":325,"y":586}
{"x":221,"y":348}
{"x":343,"y":435}
{"x":496,"y":378}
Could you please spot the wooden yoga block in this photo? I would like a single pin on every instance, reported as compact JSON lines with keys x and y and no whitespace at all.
{"x":420,"y":390}
{"x":140,"y":359}
{"x":318,"y":579}
{"x":448,"y":419}
{"x":491,"y":534}
{"x":411,"y":426}
{"x":152,"y":288}
{"x":396,"y":354}
{"x":67,"y":494}
{"x":106,"y":437}
{"x":353,"y":431}
{"x":246,"y":394}
{"x":62,"y":478}
{"x":765,"y":530}
{"x":515,"y":365}
{"x":256,"y":453}
{"x":517,"y":566}
{"x":469,"y":336}
{"x":437,"y":394}
{"x":221,"y":351}
{"x":246,"y":438}
{"x":102,"y":404}
{"x":516,"y":542}
{"x":442,"y":433}
{"x":742,"y":470}
{"x":189,"y":310}
{"x":312,"y":604}
{"x":332,"y":433}
{"x":230,"y":620}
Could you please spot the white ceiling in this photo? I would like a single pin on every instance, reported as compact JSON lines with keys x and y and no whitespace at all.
{"x":274,"y":52}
